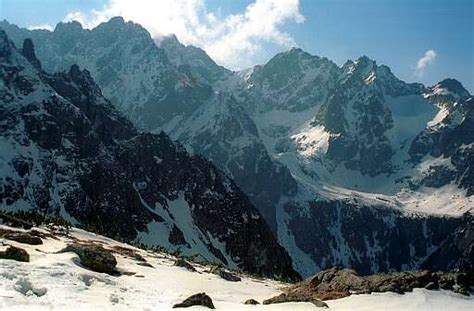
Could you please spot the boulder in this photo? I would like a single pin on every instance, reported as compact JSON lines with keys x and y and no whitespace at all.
{"x":15,"y":253}
{"x":14,"y":222}
{"x":94,"y":257}
{"x":24,"y":238}
{"x":461,"y":290}
{"x":286,"y":297}
{"x":251,"y":302}
{"x":180,"y":262}
{"x":226,"y":275}
{"x":200,"y":299}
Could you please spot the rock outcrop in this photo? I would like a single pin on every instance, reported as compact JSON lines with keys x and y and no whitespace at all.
{"x":94,"y":257}
{"x":200,"y":299}
{"x":339,"y":283}
{"x":15,"y":253}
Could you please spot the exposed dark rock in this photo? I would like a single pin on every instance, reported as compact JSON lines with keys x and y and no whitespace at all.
{"x":15,"y":253}
{"x":176,"y":236}
{"x":24,"y":238}
{"x":226,"y":275}
{"x":288,"y":297}
{"x":128,"y":252}
{"x":145,"y":264}
{"x":456,"y":252}
{"x":431,"y":286}
{"x":14,"y":222}
{"x":94,"y":257}
{"x":200,"y":299}
{"x":388,"y":240}
{"x":181,"y":262}
{"x":462,"y":290}
{"x":251,"y":302}
{"x":29,"y":52}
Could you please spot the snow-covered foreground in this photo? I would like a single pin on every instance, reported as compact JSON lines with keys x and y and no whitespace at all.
{"x":65,"y":285}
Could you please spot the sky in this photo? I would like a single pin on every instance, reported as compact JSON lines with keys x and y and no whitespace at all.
{"x":421,"y":40}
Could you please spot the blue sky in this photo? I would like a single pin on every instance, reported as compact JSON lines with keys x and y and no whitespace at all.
{"x":397,"y":33}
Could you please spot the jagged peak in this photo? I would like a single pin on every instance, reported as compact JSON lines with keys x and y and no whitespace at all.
{"x":170,"y":39}
{"x":116,"y":20}
{"x":68,"y":26}
{"x":29,"y":53}
{"x":5,"y":45}
{"x":296,"y":52}
{"x":365,"y":60}
{"x":83,"y":80}
{"x":452,"y":86}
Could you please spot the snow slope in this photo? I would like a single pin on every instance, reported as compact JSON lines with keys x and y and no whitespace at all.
{"x":68,"y":286}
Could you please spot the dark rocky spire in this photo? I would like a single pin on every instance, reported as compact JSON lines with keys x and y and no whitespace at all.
{"x":29,"y":52}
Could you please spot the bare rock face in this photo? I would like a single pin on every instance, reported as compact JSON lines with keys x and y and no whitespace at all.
{"x":94,"y":257}
{"x":200,"y":299}
{"x":15,"y":253}
{"x":338,"y":283}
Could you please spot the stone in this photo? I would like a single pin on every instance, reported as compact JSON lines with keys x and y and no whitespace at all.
{"x":461,"y":290}
{"x":200,"y":299}
{"x":94,"y":257}
{"x":226,"y":275}
{"x":14,"y":222}
{"x":15,"y":253}
{"x":24,"y":238}
{"x":285,"y":297}
{"x":180,"y":262}
{"x":251,"y":302}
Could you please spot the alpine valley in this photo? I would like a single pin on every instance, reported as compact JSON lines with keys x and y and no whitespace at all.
{"x":294,"y":166}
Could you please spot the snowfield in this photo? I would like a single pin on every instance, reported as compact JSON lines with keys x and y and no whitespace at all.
{"x":52,"y":281}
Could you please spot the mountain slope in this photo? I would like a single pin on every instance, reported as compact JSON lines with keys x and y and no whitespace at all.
{"x":67,"y":151}
{"x":55,"y":281}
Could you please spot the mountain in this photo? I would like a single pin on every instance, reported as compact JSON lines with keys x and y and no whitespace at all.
{"x":67,"y":151}
{"x":348,"y":164}
{"x":192,"y":58}
{"x":132,"y":72}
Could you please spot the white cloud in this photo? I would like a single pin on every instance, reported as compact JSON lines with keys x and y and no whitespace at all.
{"x":42,"y":26}
{"x":232,"y":40}
{"x":423,"y":62}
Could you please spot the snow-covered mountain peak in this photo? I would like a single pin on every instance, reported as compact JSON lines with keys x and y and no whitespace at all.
{"x":446,"y":92}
